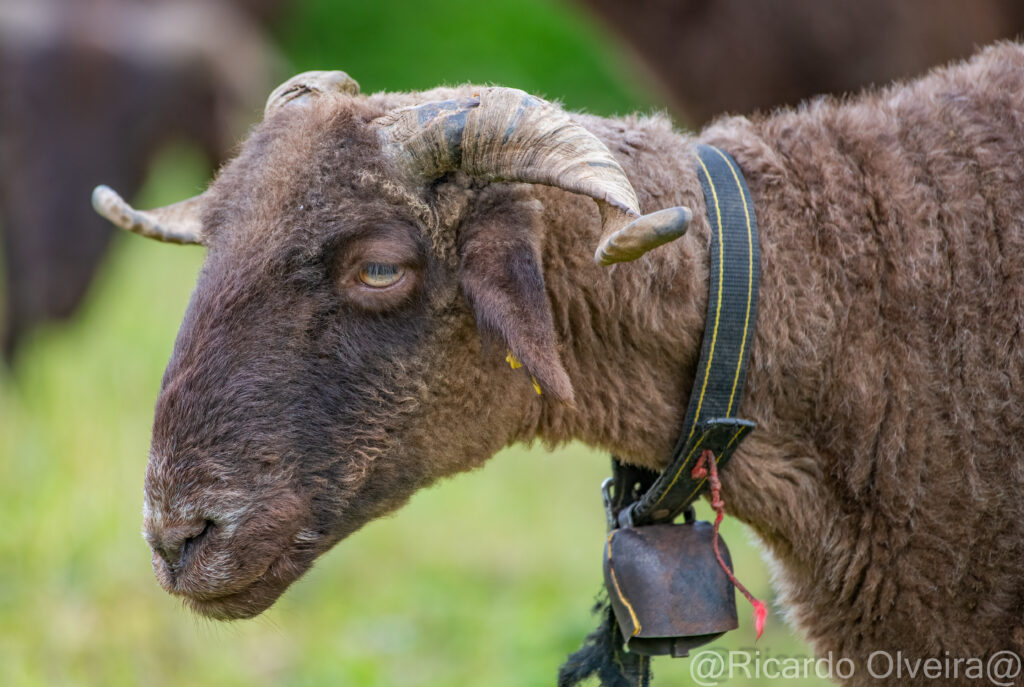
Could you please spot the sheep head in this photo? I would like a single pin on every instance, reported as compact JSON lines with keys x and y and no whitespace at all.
{"x":359,"y":261}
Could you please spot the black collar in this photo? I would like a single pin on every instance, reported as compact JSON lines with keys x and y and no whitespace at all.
{"x":635,"y":497}
{"x":641,"y":497}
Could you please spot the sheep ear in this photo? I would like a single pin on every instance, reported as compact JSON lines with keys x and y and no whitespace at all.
{"x":501,"y":276}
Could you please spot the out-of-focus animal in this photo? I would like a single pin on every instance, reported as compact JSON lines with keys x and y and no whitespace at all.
{"x":736,"y":56}
{"x":372,"y":258}
{"x":95,"y":88}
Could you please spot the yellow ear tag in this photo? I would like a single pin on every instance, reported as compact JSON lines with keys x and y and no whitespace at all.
{"x":514,"y":363}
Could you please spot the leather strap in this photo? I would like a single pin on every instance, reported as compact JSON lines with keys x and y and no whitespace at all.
{"x":710,"y":422}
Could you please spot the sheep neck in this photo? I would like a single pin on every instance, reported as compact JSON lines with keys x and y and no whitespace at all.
{"x":630,"y":334}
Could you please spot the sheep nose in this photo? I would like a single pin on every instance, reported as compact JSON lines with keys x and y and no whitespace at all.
{"x":173,"y":542}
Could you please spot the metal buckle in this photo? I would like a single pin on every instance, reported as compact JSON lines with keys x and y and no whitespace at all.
{"x":606,"y":495}
{"x":625,"y":516}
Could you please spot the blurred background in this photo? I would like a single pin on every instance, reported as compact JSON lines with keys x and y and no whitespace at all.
{"x":487,"y":579}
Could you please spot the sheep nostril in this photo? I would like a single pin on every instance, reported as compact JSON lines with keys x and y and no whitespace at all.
{"x":174,"y":545}
{"x":190,"y":543}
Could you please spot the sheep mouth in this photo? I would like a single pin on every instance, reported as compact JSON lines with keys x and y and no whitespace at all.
{"x":251,"y":600}
{"x":259,"y":594}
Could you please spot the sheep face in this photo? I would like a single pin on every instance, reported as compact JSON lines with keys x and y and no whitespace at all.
{"x":362,"y":284}
{"x":329,"y":340}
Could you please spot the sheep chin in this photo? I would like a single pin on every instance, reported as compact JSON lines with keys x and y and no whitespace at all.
{"x":260,"y":594}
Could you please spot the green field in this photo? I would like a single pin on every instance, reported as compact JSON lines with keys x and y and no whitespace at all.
{"x":486,"y":579}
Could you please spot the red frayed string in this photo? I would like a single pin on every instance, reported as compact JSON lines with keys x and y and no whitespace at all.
{"x":707,"y":467}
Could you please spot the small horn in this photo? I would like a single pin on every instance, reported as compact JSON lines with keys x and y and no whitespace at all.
{"x":641,"y":235}
{"x":178,"y":223}
{"x":507,"y":134}
{"x":297,"y":89}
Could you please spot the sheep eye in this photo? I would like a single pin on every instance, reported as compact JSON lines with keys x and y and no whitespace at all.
{"x":379,"y":275}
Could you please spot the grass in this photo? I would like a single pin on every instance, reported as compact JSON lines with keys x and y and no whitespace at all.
{"x":486,"y":579}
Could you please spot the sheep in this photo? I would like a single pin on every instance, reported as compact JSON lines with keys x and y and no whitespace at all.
{"x":739,"y":56}
{"x":372,"y":260}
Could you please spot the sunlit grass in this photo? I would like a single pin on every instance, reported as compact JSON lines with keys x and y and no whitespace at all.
{"x":547,"y":47}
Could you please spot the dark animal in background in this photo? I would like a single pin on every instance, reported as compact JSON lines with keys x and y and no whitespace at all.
{"x":93,"y":89}
{"x":715,"y":56}
{"x":366,"y":275}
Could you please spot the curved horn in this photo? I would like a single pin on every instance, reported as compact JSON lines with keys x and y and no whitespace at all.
{"x":297,"y":89}
{"x":505,"y":133}
{"x":178,"y":223}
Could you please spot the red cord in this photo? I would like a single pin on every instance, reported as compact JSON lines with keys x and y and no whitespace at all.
{"x":707,"y":467}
